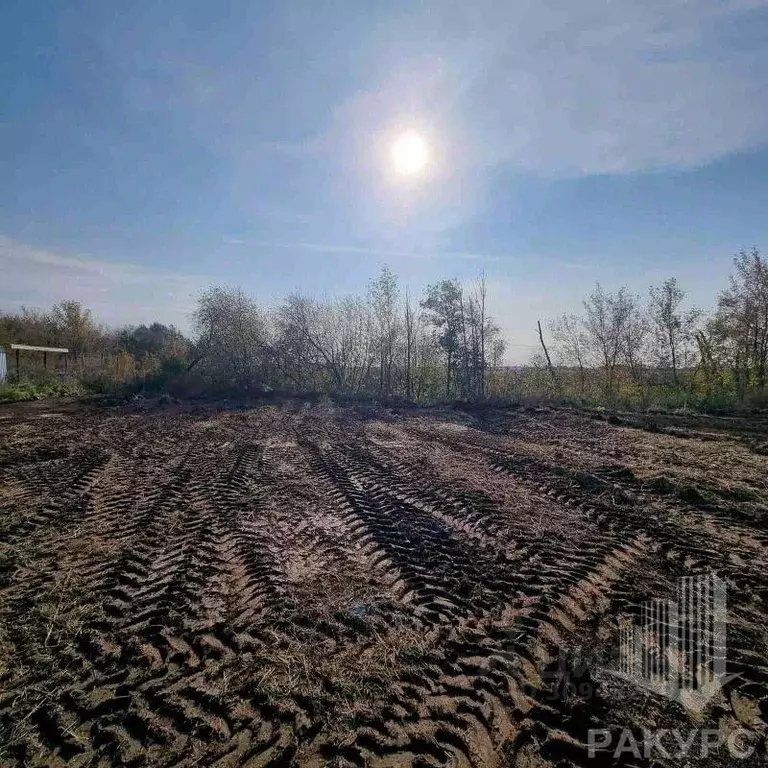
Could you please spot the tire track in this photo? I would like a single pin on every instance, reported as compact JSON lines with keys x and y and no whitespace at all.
{"x":272,"y":587}
{"x":486,"y":680}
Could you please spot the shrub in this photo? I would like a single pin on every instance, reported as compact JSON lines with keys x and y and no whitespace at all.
{"x":38,"y":389}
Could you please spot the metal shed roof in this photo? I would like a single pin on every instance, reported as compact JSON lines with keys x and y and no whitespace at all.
{"x":29,"y":348}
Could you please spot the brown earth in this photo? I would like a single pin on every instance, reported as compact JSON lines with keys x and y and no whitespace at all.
{"x":304,"y":584}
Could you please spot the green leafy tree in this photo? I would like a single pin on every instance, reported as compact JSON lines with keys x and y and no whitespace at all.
{"x":443,"y":303}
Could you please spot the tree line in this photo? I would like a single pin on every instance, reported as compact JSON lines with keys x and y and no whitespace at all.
{"x":383,"y":343}
{"x":443,"y":345}
{"x":629,"y":348}
{"x":119,"y":353}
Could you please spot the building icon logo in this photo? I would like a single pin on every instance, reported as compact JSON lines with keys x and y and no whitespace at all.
{"x":679,"y":648}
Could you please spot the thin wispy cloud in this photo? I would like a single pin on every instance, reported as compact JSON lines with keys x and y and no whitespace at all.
{"x":342,"y":248}
{"x":556,"y":88}
{"x":436,"y":253}
{"x":118,"y":293}
{"x":559,"y":87}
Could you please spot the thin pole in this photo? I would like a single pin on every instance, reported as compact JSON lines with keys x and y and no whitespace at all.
{"x":546,"y":355}
{"x":18,"y":370}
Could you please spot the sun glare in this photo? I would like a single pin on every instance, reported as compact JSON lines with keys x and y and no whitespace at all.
{"x":410,"y":154}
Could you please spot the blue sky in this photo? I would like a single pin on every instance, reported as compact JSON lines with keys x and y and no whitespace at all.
{"x":150,"y":148}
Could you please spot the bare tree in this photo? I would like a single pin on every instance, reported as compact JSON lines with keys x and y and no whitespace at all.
{"x":604,"y":324}
{"x":334,"y":335}
{"x":673,"y":330}
{"x":74,"y":326}
{"x":550,"y":368}
{"x":233,"y":341}
{"x":410,"y":345}
{"x":483,"y":331}
{"x":572,"y":342}
{"x":383,"y":294}
{"x":29,"y":326}
{"x":742,"y":320}
{"x":634,"y":333}
{"x":497,"y":348}
{"x":294,"y":351}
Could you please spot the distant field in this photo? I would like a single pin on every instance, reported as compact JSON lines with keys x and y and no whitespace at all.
{"x":309,"y":585}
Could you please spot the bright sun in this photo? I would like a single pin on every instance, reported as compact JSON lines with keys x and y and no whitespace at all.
{"x":410,"y":154}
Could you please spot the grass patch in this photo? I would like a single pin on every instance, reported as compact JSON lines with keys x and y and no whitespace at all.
{"x":40,"y":390}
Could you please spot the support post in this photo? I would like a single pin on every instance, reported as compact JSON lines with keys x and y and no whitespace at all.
{"x":18,"y":370}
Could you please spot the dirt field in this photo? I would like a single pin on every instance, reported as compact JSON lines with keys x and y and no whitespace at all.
{"x":302,"y":584}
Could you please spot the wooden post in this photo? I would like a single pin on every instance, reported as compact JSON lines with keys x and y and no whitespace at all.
{"x":18,"y":370}
{"x":45,"y":360}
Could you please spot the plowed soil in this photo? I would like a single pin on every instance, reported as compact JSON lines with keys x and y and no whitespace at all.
{"x":305,"y":584}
